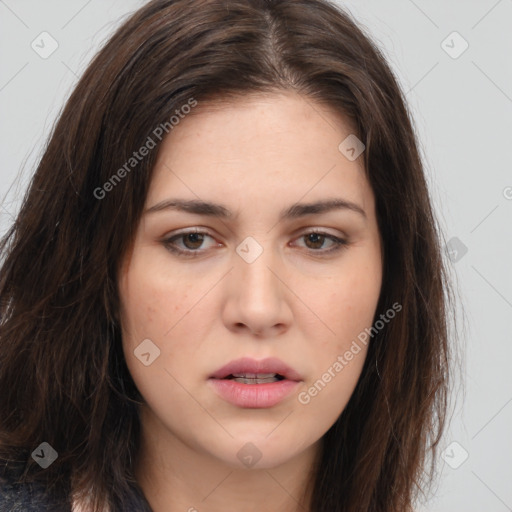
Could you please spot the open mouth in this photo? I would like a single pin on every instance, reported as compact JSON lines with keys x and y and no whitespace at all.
{"x":255,"y":378}
{"x":252,"y":383}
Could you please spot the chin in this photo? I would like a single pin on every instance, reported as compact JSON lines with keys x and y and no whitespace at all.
{"x":258,"y":452}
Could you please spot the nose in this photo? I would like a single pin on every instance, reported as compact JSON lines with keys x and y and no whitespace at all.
{"x":258,"y":296}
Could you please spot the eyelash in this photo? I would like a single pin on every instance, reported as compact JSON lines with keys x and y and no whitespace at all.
{"x":189,"y":253}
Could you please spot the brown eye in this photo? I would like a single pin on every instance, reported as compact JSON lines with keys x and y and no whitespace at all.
{"x":190,"y":244}
{"x":315,"y":241}
{"x":195,"y":240}
{"x":187,"y":243}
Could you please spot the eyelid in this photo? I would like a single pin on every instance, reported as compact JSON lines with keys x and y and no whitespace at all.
{"x":297,"y":233}
{"x":340,"y":242}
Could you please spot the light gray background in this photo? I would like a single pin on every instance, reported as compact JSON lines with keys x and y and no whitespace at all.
{"x":462,"y":108}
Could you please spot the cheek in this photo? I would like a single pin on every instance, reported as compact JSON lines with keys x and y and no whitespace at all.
{"x":347,"y":306}
{"x":151,"y":302}
{"x":159,"y":307}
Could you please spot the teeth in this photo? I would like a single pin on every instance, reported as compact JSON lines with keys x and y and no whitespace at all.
{"x":255,"y":378}
{"x":255,"y":375}
{"x":255,"y":381}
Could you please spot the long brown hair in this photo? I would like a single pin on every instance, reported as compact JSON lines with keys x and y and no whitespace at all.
{"x":63,"y":376}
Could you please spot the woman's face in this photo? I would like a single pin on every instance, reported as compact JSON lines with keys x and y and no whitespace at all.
{"x":252,"y":284}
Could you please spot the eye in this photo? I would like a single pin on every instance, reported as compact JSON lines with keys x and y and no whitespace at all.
{"x":192,"y":241}
{"x":316,"y":240}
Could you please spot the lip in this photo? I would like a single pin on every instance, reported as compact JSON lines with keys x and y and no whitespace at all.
{"x":255,"y":396}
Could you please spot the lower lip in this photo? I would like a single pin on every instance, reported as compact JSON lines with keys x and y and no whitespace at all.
{"x":256,"y":396}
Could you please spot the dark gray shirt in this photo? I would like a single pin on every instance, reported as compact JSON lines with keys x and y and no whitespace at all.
{"x":16,"y":497}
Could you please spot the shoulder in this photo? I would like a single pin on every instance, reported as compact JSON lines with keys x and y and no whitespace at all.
{"x":24,"y":497}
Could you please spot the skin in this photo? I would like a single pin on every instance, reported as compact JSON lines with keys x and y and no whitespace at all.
{"x":256,"y":157}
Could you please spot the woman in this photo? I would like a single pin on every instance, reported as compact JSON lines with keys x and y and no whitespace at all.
{"x":225,"y":287}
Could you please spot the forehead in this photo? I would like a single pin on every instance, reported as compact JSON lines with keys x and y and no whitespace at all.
{"x":280,"y":120}
{"x":260,"y":147}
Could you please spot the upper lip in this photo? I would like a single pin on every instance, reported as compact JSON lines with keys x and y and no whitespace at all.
{"x":249,"y":365}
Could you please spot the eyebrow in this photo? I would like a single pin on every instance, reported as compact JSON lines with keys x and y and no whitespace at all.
{"x":295,"y":211}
